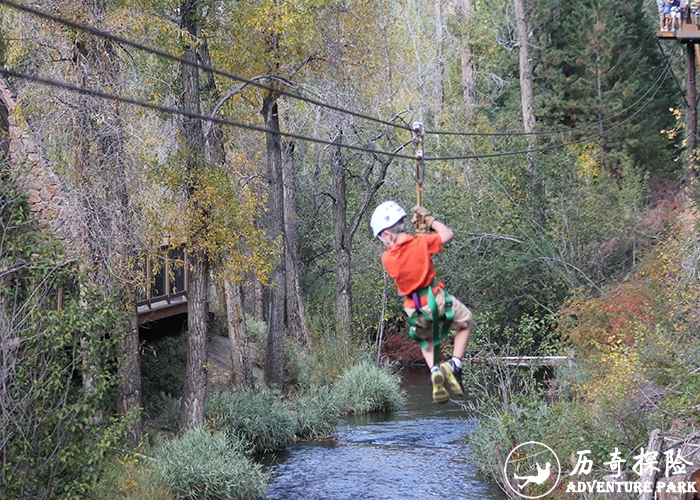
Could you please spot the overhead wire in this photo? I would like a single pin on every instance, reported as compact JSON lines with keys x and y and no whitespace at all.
{"x":248,"y":126}
{"x":534,"y":224}
{"x":673,"y":74}
{"x":160,"y":53}
{"x":177,"y":111}
{"x":655,"y":87}
{"x":121,"y":40}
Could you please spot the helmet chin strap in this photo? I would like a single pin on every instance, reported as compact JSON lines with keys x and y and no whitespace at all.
{"x":388,"y":243}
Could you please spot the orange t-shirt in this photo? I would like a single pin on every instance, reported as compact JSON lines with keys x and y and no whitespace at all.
{"x":410,"y":264}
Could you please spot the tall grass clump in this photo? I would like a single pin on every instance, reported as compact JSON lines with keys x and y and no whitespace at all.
{"x":364,"y":388}
{"x":330,"y":358}
{"x":205,"y":466}
{"x":131,"y":476}
{"x":317,"y":412}
{"x":259,"y":417}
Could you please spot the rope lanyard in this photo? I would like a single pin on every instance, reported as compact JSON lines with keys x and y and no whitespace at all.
{"x":418,"y":133}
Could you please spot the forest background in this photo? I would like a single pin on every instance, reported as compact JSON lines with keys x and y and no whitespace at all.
{"x":259,"y":135}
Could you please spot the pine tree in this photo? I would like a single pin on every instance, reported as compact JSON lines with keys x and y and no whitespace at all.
{"x":597,"y":65}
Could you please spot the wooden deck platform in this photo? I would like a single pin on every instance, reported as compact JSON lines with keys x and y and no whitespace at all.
{"x":161,"y":308}
{"x":688,"y":34}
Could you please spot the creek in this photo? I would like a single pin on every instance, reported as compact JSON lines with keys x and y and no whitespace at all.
{"x":417,"y":452}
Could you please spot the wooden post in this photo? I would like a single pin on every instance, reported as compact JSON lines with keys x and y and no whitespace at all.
{"x":166,"y":276}
{"x":692,"y":112}
{"x":656,"y":441}
{"x":148,"y":280}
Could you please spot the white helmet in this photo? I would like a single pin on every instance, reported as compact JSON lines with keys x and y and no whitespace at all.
{"x":386,"y":215}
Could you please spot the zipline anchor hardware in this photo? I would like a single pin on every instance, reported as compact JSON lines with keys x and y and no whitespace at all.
{"x":418,"y":133}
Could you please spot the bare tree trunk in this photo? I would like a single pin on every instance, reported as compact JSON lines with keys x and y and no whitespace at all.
{"x":601,"y":115}
{"x":241,"y":367}
{"x":372,"y":178}
{"x":440,"y":72}
{"x":526,"y":87}
{"x":296,"y":318}
{"x":129,"y":397}
{"x":342,"y":243}
{"x":258,"y":300}
{"x":100,"y":160}
{"x":692,"y":112}
{"x":194,"y":391}
{"x":195,"y":387}
{"x":528,"y":106}
{"x":648,"y":476}
{"x":274,"y":362}
{"x":468,"y":65}
{"x":9,"y":345}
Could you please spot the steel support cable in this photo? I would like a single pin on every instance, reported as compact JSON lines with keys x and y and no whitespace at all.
{"x":160,"y":53}
{"x":679,"y":87}
{"x":222,"y":121}
{"x":535,"y":226}
{"x":176,"y":111}
{"x":656,"y":84}
{"x":553,"y":146}
{"x":97,"y":93}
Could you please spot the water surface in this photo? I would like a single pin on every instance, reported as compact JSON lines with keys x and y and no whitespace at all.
{"x":417,"y":452}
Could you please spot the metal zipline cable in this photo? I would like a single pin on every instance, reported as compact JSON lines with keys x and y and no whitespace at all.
{"x":121,"y":40}
{"x":535,"y":226}
{"x":176,"y":111}
{"x":222,"y":121}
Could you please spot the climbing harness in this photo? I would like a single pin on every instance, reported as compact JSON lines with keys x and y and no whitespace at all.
{"x":433,"y":317}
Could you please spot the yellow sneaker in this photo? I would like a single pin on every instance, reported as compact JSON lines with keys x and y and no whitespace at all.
{"x":453,"y":377}
{"x":440,"y":394}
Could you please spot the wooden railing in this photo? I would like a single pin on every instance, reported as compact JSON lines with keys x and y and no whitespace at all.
{"x":166,"y":294}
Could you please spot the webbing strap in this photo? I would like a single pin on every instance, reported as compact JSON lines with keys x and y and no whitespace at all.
{"x":438,"y":333}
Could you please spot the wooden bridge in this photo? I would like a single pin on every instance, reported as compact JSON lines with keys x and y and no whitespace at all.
{"x":166,"y":294}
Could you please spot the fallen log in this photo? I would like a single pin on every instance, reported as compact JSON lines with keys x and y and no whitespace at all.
{"x":524,"y":360}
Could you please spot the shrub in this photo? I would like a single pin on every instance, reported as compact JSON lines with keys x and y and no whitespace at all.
{"x":365,"y":388}
{"x":331,"y":354}
{"x":257,"y":330}
{"x":162,"y":371}
{"x":260,"y":418}
{"x":204,"y":466}
{"x":317,"y":412}
{"x":297,"y":371}
{"x":130,"y":476}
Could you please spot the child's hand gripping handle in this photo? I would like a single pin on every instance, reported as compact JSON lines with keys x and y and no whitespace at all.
{"x":422,"y":219}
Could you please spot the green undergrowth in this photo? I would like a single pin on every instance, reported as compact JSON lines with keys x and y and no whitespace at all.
{"x":266,"y":421}
{"x":364,"y":388}
{"x":198,"y":465}
{"x":205,"y":465}
{"x":240,"y":423}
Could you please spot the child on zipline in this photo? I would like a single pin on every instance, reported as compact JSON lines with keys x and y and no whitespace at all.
{"x":408,"y":260}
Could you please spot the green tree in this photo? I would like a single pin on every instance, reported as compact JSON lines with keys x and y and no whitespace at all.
{"x":50,"y":440}
{"x":598,"y":65}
